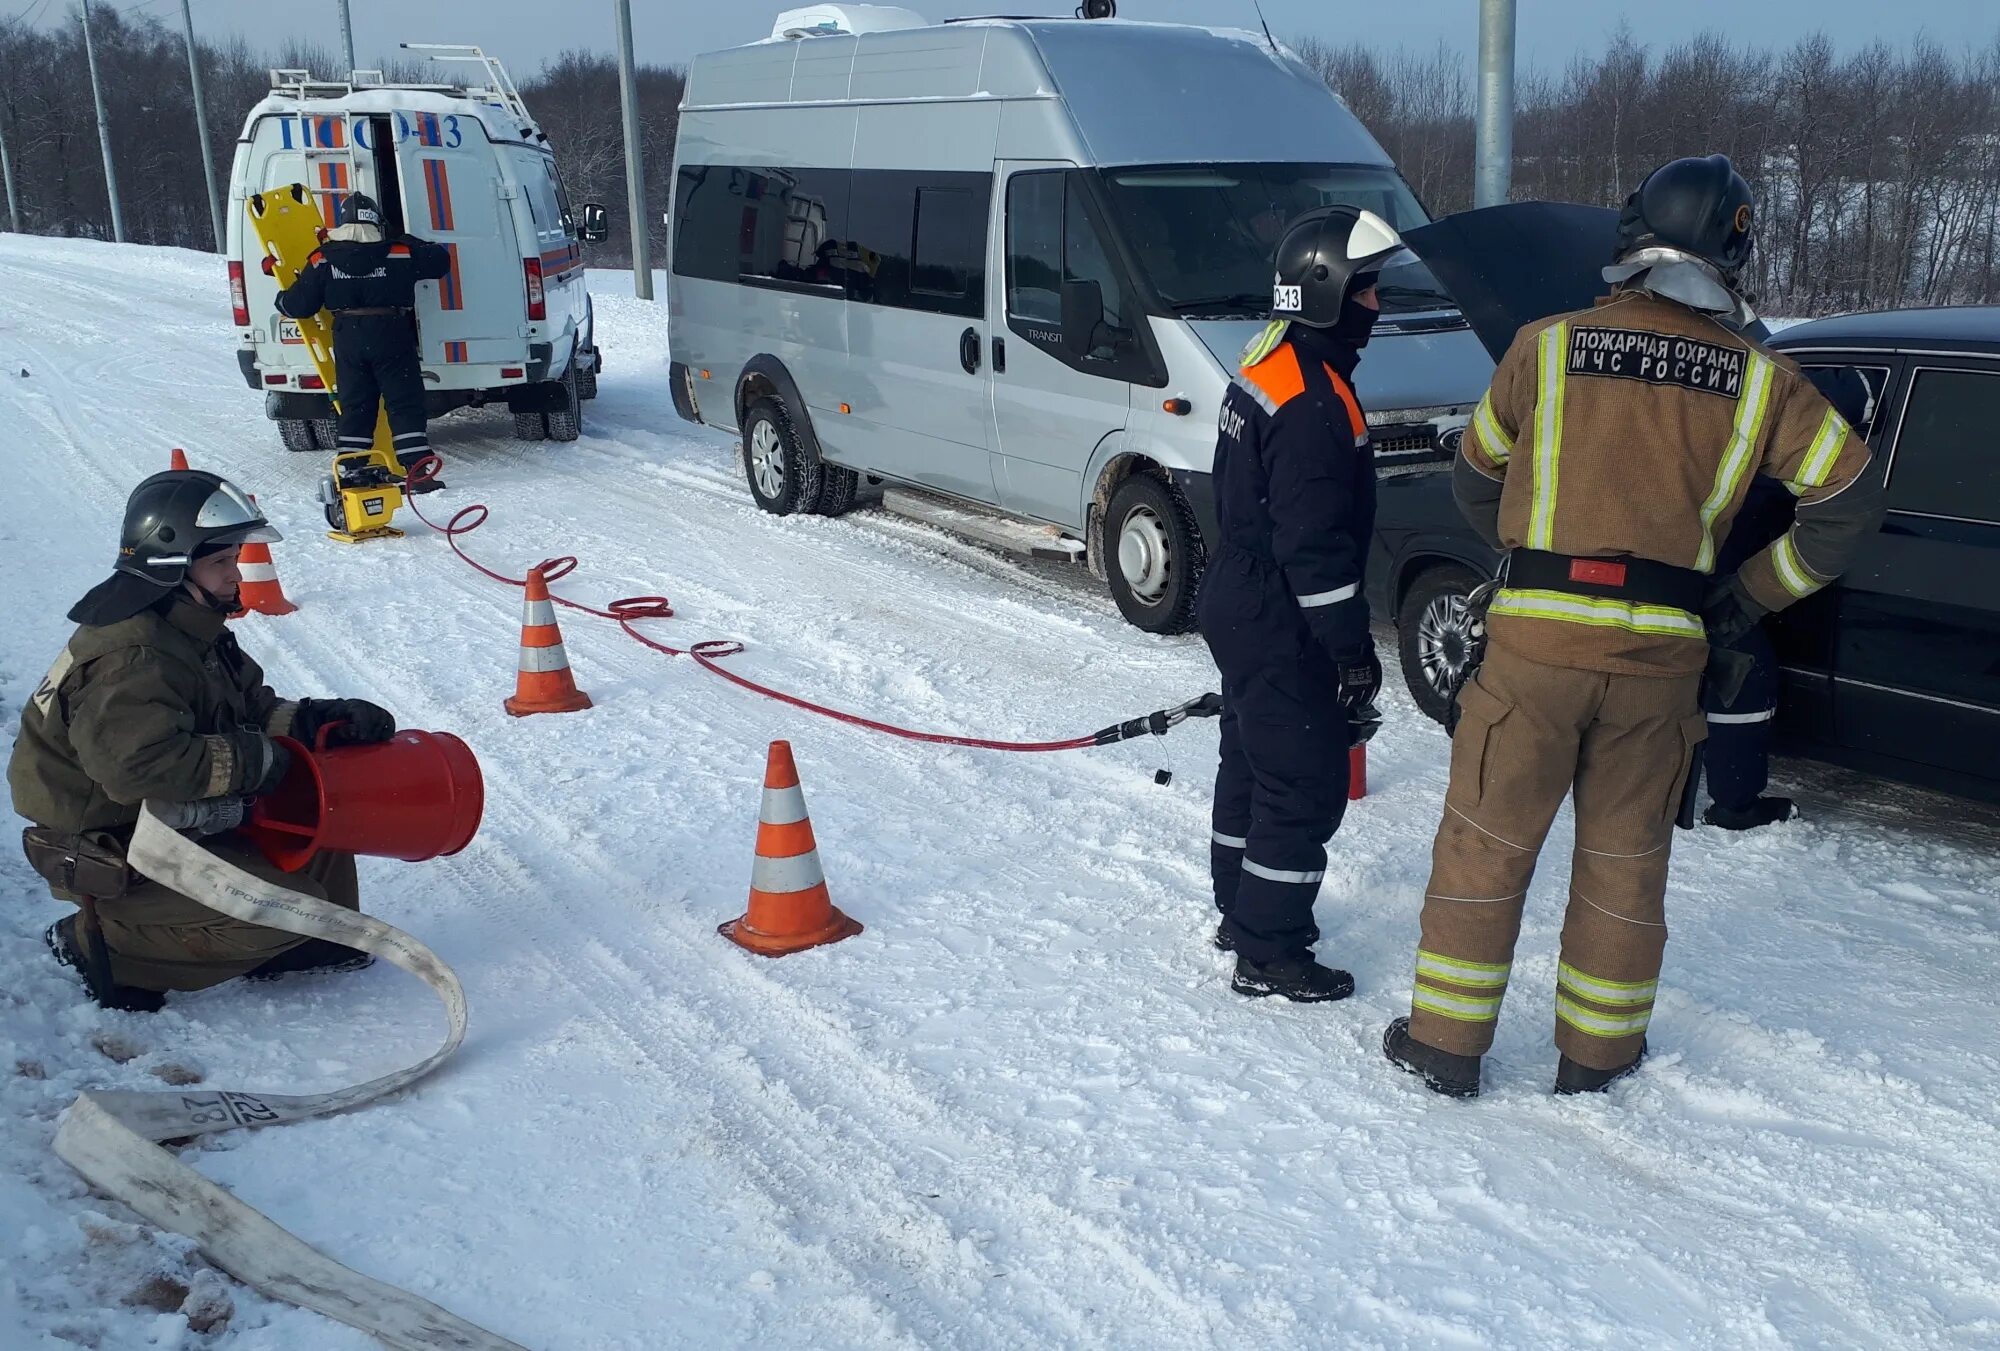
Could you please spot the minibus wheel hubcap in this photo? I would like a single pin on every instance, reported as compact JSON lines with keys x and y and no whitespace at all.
{"x":1144,"y":555}
{"x":1442,"y":640}
{"x":767,"y":459}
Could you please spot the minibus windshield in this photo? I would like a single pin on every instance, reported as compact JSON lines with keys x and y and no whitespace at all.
{"x":1204,"y":233}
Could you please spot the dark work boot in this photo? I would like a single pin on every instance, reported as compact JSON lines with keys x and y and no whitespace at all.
{"x":1223,"y":942}
{"x":1299,"y":979}
{"x":66,"y":947}
{"x":1453,"y":1076}
{"x":314,"y":955}
{"x":1574,"y":1078}
{"x":1763,"y":811}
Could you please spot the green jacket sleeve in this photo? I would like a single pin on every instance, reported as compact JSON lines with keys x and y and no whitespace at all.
{"x":276,"y":716}
{"x":132,"y":725}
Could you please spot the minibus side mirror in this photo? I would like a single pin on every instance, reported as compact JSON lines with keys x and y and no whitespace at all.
{"x":596,"y":223}
{"x":1082,"y":316}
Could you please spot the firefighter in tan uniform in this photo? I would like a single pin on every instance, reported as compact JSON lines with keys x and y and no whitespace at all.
{"x":1608,"y":459}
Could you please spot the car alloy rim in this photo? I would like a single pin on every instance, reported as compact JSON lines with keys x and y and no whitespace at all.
{"x":1145,"y":556}
{"x":767,"y":459}
{"x":1442,"y":640}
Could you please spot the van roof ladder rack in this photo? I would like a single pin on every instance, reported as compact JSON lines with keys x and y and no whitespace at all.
{"x":501,"y":84}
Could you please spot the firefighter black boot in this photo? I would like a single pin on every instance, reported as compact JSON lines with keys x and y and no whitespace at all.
{"x":1222,"y":940}
{"x":67,"y":948}
{"x":1454,"y":1076}
{"x":314,"y":955}
{"x":1574,"y":1078}
{"x":1299,"y":979}
{"x":1763,"y":811}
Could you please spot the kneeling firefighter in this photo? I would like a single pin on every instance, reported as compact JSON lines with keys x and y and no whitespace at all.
{"x":1281,"y":603}
{"x":369,"y":284}
{"x":153,"y":699}
{"x":1609,"y":459}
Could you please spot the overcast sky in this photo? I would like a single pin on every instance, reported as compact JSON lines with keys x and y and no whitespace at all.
{"x":525,"y":32}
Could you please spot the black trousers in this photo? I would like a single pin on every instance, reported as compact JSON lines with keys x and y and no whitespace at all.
{"x":1281,"y":786}
{"x":1738,"y":757}
{"x":376,"y":362}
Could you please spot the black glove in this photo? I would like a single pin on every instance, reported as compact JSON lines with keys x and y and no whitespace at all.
{"x":1729,"y":612}
{"x":275,"y":764}
{"x":365,"y":723}
{"x":207,"y":816}
{"x":1360,"y":682}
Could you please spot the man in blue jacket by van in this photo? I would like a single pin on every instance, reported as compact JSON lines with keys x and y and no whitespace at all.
{"x":1282,"y":606}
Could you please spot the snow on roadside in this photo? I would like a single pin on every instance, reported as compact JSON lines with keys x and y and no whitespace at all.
{"x":1022,"y":1109}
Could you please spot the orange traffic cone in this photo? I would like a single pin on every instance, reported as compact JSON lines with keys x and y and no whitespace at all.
{"x":179,"y":459}
{"x":545,"y":684}
{"x":261,"y":591}
{"x":790,"y":909}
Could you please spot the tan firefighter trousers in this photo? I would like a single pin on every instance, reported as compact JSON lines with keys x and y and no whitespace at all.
{"x":161,"y":940}
{"x":1528,"y":734}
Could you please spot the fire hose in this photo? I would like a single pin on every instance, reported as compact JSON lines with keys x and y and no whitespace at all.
{"x":109,"y":1136}
{"x":709,"y":654}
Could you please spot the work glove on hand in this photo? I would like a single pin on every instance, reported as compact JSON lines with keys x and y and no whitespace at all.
{"x":1729,"y":612}
{"x":271,"y":771}
{"x":365,"y":723}
{"x":1360,"y":681}
{"x":207,"y":816}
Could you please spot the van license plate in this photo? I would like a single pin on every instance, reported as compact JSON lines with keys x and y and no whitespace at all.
{"x":288,"y":331}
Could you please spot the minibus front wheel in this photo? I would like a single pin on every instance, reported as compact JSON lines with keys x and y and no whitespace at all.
{"x":1156,"y":555}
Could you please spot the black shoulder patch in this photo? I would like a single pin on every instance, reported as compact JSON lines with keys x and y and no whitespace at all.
{"x":1658,"y":359}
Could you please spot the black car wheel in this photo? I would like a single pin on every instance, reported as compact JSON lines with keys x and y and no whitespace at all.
{"x":784,"y":475}
{"x":1432,"y":635}
{"x":297,"y":434}
{"x":1155,"y":555}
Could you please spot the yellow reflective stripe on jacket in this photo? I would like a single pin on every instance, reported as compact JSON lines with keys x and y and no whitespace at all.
{"x":1601,"y":991}
{"x":1456,"y":1006}
{"x":1819,"y":461}
{"x":1552,"y":373}
{"x":1793,"y":574}
{"x":1473,"y":975}
{"x":1598,"y":611}
{"x":1738,"y":456}
{"x":1597,"y":1024}
{"x":1492,"y":438}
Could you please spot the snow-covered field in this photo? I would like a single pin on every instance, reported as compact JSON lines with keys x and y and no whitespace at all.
{"x":1023,"y":1109}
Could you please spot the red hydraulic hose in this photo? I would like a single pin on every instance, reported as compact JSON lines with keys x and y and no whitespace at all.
{"x":709,"y":653}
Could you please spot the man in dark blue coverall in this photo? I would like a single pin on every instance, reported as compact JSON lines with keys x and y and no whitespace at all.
{"x":1281,"y":604}
{"x":1738,"y":755}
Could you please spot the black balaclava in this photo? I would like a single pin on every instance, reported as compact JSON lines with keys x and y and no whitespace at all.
{"x":1356,"y":320}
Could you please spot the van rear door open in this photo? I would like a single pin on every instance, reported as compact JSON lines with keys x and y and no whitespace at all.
{"x":452,"y":196}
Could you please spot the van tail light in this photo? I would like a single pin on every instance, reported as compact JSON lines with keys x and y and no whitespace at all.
{"x":239,"y":299}
{"x":311,"y":382}
{"x":538,"y":301}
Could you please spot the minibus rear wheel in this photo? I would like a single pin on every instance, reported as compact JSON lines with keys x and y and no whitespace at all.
{"x":1155,"y":555}
{"x":784,"y":476}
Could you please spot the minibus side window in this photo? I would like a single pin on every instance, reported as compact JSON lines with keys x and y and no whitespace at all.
{"x":1059,"y":271}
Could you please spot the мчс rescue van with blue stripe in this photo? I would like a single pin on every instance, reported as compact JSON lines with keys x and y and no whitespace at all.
{"x":462,"y":164}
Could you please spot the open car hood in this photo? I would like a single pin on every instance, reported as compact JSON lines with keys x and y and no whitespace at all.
{"x":1510,"y":265}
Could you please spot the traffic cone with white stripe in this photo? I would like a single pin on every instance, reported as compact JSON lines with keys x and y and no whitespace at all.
{"x":545,"y":684}
{"x":260,"y":590}
{"x":790,"y":909}
{"x":178,"y":460}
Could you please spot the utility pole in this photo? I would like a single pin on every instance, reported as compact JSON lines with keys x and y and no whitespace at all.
{"x":347,"y":39}
{"x":7,"y":168}
{"x":1493,"y":174}
{"x":103,"y":131}
{"x":635,"y":171}
{"x":201,"y":130}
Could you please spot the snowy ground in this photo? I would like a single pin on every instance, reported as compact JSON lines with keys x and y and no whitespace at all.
{"x":1023,"y":1109}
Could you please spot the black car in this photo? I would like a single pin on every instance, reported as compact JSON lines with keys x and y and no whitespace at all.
{"x":1895,"y":669}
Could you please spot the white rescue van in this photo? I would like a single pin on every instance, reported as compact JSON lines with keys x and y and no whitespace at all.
{"x":463,"y":165}
{"x":1012,"y":264}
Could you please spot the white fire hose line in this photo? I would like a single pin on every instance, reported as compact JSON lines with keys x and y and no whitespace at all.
{"x":108,"y":1136}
